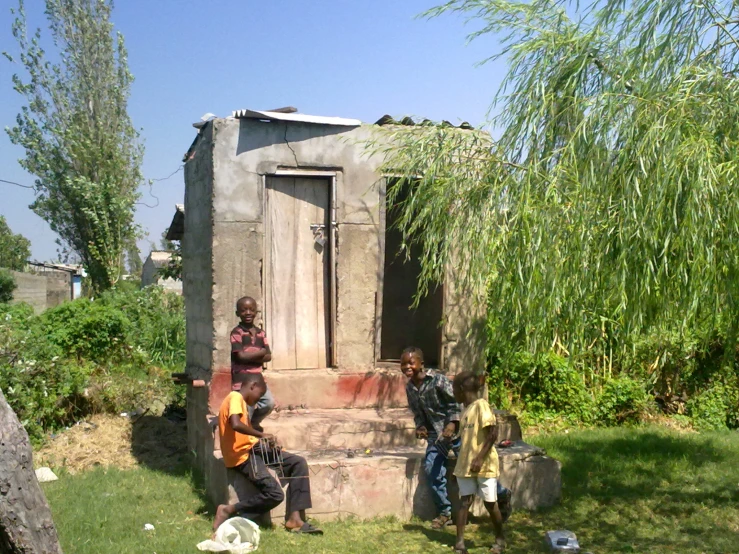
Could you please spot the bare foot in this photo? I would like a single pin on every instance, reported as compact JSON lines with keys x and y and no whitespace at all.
{"x":223,"y":512}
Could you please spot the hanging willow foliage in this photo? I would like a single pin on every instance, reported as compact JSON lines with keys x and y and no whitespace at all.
{"x":610,"y":200}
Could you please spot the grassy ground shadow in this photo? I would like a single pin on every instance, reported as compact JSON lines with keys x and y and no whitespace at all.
{"x":159,"y":443}
{"x":639,"y":490}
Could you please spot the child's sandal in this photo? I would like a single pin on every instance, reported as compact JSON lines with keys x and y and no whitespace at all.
{"x":441,"y":522}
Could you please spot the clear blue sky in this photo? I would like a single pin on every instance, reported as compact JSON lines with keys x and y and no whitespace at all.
{"x":326,"y":57}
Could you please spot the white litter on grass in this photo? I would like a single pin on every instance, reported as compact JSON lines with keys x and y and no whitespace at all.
{"x":44,"y":475}
{"x":234,"y":536}
{"x":148,"y":527}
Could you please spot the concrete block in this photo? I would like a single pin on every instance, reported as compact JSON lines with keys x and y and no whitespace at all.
{"x":389,"y":483}
{"x":534,"y":478}
{"x":508,"y":426}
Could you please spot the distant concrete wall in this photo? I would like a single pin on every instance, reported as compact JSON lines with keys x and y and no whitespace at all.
{"x":57,"y":292}
{"x":41,"y":291}
{"x":148,"y":273}
{"x":169,"y":284}
{"x":150,"y":276}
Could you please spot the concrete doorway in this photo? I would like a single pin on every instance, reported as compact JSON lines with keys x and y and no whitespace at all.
{"x":297,"y":299}
{"x":401,"y":325}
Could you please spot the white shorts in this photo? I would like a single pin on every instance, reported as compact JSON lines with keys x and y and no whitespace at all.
{"x":484,"y":487}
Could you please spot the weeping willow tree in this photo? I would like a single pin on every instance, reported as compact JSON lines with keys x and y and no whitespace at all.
{"x":610,"y":202}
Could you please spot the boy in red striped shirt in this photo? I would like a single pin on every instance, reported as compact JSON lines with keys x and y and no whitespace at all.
{"x":249,"y":352}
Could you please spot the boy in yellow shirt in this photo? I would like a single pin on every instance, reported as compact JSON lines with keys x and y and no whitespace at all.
{"x":238,"y":440}
{"x":477,"y":464}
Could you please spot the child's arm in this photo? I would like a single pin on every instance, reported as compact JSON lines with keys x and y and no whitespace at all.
{"x":239,"y":354}
{"x":238,"y":426}
{"x":491,"y":435}
{"x":254,"y":357}
{"x":450,"y":406}
{"x":268,"y":352}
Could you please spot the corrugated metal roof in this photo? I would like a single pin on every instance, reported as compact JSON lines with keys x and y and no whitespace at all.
{"x":296,"y":118}
{"x":409,"y":122}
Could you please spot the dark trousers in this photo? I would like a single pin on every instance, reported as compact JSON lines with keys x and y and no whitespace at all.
{"x":269,"y":491}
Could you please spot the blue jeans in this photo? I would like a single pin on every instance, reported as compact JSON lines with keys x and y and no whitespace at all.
{"x":434,"y":464}
{"x":261,"y":409}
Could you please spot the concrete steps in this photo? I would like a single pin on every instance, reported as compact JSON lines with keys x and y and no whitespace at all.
{"x":317,"y":430}
{"x":393,"y":482}
{"x":390,"y":481}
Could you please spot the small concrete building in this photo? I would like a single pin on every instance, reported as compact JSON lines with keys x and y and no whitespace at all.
{"x":291,"y":209}
{"x":155,"y":262}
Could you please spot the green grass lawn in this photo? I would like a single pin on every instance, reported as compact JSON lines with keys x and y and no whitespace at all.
{"x":624,"y":490}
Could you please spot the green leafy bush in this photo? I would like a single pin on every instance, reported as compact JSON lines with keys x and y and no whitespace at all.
{"x":112,"y":354}
{"x":89,"y":330}
{"x":714,"y":408}
{"x":622,"y":400}
{"x":7,"y":286}
{"x":39,"y":383}
{"x":545,"y":384}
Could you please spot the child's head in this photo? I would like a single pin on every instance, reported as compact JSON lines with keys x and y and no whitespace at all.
{"x":411,"y":361}
{"x":246,"y":310}
{"x":252,"y":388}
{"x":467,"y":387}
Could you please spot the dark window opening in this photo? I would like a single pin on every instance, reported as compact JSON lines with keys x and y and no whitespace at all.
{"x":401,"y":325}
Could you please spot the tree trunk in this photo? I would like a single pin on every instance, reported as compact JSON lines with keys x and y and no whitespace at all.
{"x":26,"y":526}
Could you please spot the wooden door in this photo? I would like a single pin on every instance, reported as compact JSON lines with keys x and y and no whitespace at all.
{"x":298,"y":279}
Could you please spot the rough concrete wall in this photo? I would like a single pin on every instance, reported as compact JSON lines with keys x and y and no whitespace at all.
{"x":148,"y":273}
{"x":197,"y":256}
{"x":244,"y":151}
{"x":58,"y":291}
{"x":31,"y":289}
{"x":41,"y":291}
{"x":464,"y":334}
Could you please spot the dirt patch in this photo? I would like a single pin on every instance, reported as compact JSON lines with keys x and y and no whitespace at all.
{"x":105,"y":440}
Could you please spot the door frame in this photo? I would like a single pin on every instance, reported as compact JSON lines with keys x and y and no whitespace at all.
{"x":333,"y":178}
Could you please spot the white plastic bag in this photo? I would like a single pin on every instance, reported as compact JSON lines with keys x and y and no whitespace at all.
{"x":235,"y":536}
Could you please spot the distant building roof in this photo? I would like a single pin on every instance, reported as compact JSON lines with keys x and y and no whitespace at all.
{"x":177,"y":227}
{"x":160,"y":258}
{"x":295,"y":118}
{"x":75,"y":269}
